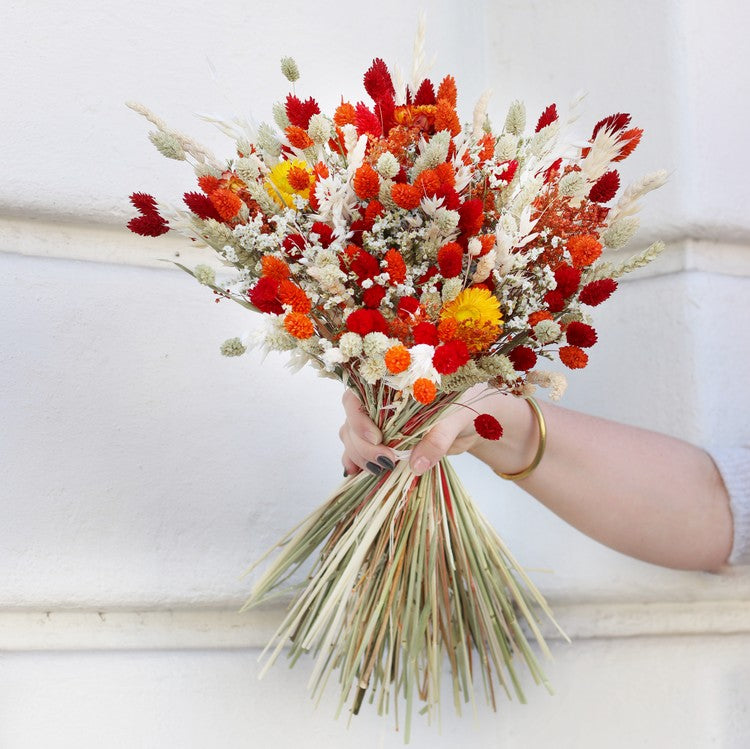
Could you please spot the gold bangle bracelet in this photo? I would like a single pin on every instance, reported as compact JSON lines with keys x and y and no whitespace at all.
{"x":540,"y":449}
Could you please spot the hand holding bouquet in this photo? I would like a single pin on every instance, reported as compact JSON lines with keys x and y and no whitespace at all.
{"x":413,"y":258}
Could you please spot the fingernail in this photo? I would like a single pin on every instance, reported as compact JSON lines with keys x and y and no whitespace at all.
{"x":373,"y":468}
{"x":421,"y":465}
{"x":386,"y":462}
{"x":345,"y":474}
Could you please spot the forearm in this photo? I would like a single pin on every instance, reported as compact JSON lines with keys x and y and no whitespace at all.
{"x":645,"y":494}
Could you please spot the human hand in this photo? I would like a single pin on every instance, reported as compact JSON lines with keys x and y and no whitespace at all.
{"x":363,"y":448}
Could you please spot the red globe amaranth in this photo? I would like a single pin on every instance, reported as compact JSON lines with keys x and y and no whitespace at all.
{"x":471,"y":217}
{"x":373,"y":296}
{"x":324,"y":232}
{"x":554,"y":300}
{"x":264,"y":295}
{"x":293,"y":245}
{"x":523,"y":358}
{"x":364,"y":321}
{"x":450,"y":260}
{"x":567,"y":279}
{"x":407,"y":307}
{"x":580,"y":334}
{"x":426,"y":332}
{"x":361,"y":262}
{"x":488,"y":426}
{"x":596,"y":292}
{"x":450,"y":356}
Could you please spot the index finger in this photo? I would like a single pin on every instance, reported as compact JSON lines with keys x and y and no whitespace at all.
{"x":360,"y":423}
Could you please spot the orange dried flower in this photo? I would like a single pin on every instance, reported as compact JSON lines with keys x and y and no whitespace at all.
{"x":584,"y":249}
{"x":226,"y":202}
{"x":397,"y":359}
{"x":447,"y":174}
{"x":573,"y":357}
{"x":298,"y":179}
{"x":538,"y":316}
{"x":447,"y":329}
{"x":428,"y":182}
{"x":447,"y":90}
{"x":631,"y":139}
{"x":321,"y":170}
{"x":446,"y":118}
{"x":298,"y":138}
{"x":274,"y":267}
{"x":208,"y":184}
{"x":291,"y":294}
{"x":488,"y":242}
{"x":345,"y":114}
{"x":395,"y":266}
{"x":299,"y":325}
{"x":366,"y":182}
{"x":406,"y":196}
{"x":487,"y":142}
{"x":424,"y":390}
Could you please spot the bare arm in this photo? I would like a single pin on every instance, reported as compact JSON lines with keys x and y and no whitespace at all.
{"x":645,"y":494}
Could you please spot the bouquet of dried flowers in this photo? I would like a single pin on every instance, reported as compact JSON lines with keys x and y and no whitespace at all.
{"x":412,"y":258}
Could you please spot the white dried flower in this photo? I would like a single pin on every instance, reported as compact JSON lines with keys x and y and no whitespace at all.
{"x":248,"y":168}
{"x":506,"y":147}
{"x":545,"y":139}
{"x":384,"y":195}
{"x":452,"y":287}
{"x":573,"y":183}
{"x":387,"y":165}
{"x":485,"y":266}
{"x":515,"y":121}
{"x":350,"y":345}
{"x":372,"y":370}
{"x":167,"y":145}
{"x":319,"y":129}
{"x":280,"y":116}
{"x":331,"y":357}
{"x":527,"y":389}
{"x":446,"y":220}
{"x":233,"y":347}
{"x":474,"y":246}
{"x":289,"y":69}
{"x":203,"y":169}
{"x":554,"y":381}
{"x":376,"y":344}
{"x":499,"y":365}
{"x":267,"y":140}
{"x":547,"y":331}
{"x":620,"y":232}
{"x":432,"y":303}
{"x":205,"y":274}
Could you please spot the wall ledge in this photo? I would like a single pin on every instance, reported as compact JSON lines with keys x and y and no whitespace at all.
{"x":221,"y":628}
{"x":724,"y":251}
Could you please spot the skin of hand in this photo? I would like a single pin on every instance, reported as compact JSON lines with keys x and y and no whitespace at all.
{"x":645,"y":494}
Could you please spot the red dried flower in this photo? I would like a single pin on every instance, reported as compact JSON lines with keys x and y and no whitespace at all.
{"x":614,"y":123}
{"x":407,"y":306}
{"x":366,"y":121}
{"x":373,"y":296}
{"x":324,"y":232}
{"x":148,"y":225}
{"x":567,"y":279}
{"x":523,"y":358}
{"x":201,"y":205}
{"x":552,"y":170}
{"x":596,"y":292}
{"x":548,"y":116}
{"x":509,"y":171}
{"x":450,"y":356}
{"x":554,"y":300}
{"x":293,"y":245}
{"x":605,"y":187}
{"x":488,"y":426}
{"x":450,"y":260}
{"x":264,"y":295}
{"x":144,"y":202}
{"x":364,"y":321}
{"x":378,"y":83}
{"x":425,"y":93}
{"x":580,"y":334}
{"x":361,"y":262}
{"x":472,"y":217}
{"x":299,"y":112}
{"x":426,"y":332}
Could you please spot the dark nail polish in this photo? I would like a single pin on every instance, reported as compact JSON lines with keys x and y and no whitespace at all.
{"x":345,"y":474}
{"x":386,"y":462}
{"x":373,"y":468}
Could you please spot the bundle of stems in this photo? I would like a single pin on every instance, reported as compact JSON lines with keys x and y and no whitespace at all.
{"x":408,"y":573}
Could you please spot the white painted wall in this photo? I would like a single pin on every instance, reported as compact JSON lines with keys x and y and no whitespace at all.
{"x":141,"y":471}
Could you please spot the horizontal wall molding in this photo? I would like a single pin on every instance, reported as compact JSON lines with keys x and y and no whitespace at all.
{"x":726,"y":252}
{"x":221,"y":628}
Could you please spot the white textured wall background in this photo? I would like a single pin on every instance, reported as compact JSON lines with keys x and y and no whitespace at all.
{"x":141,"y":471}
